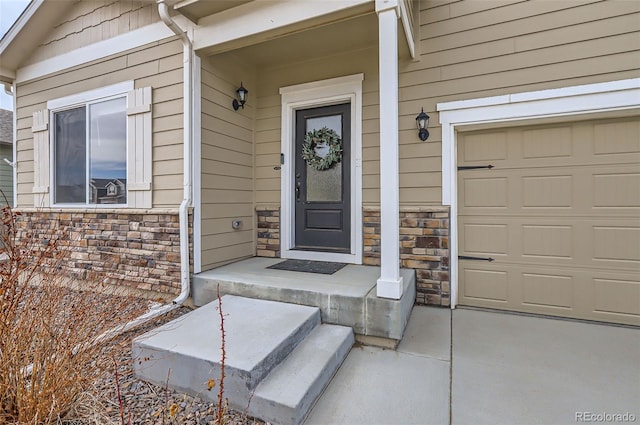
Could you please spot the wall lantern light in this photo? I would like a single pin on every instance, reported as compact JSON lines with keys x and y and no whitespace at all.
{"x":422,"y":121}
{"x":242,"y":98}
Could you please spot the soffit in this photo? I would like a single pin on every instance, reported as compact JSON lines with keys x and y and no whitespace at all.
{"x":197,"y":9}
{"x":348,"y":35}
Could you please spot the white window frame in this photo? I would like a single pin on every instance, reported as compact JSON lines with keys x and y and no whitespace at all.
{"x":139,"y":129}
{"x":85,"y":99}
{"x":320,"y":93}
{"x":526,"y":107}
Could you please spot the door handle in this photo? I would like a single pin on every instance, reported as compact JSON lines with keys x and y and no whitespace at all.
{"x":298,"y":184}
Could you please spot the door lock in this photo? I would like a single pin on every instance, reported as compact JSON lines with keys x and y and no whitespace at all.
{"x":298,"y":184}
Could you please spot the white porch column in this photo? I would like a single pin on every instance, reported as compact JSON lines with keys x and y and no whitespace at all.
{"x":390,"y":282}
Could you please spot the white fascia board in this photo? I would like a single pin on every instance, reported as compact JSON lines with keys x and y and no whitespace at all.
{"x":95,"y":51}
{"x":19,"y":24}
{"x":563,"y":92}
{"x":260,"y":17}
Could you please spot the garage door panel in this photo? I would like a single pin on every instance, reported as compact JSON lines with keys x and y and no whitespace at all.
{"x":485,"y":238}
{"x":547,"y":241}
{"x":487,"y":285}
{"x":617,"y":296}
{"x":484,"y":147}
{"x":547,"y":290}
{"x":606,"y":190}
{"x":616,"y":190}
{"x":616,"y":137}
{"x":547,"y":191}
{"x":485,"y":192}
{"x":621,"y":244}
{"x":547,"y":143}
{"x":562,"y":224}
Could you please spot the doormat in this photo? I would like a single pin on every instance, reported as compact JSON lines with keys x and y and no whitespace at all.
{"x":307,"y":266}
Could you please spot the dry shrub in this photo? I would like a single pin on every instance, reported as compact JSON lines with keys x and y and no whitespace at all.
{"x":47,"y":325}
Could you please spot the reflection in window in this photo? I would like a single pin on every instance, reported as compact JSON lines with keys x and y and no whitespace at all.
{"x":103,"y":158}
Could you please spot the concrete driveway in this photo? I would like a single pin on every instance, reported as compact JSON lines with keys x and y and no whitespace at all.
{"x":478,"y":367}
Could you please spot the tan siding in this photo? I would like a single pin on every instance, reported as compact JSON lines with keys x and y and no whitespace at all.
{"x":92,"y":21}
{"x":472,"y":49}
{"x":167,"y":108}
{"x":227,"y":163}
{"x":268,"y":119}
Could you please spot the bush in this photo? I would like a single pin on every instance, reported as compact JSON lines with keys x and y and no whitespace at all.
{"x":48,"y":325}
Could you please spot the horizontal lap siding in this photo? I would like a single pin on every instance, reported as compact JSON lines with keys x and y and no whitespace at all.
{"x":6,"y":173}
{"x":226,"y":163}
{"x":268,"y":115}
{"x":158,"y":65}
{"x":91,"y":21}
{"x":476,"y":49}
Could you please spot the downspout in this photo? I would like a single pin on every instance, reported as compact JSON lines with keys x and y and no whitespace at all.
{"x":159,"y":310}
{"x":163,"y":11}
{"x":10,"y":90}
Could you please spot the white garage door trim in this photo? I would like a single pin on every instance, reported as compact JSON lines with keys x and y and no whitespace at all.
{"x":563,"y":102}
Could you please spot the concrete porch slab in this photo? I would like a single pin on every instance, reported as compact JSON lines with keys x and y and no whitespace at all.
{"x":347,"y":297}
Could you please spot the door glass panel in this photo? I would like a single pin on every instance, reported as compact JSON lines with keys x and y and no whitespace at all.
{"x":325,"y":185}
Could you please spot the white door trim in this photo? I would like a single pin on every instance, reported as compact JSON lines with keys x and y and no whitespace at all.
{"x":308,"y":95}
{"x":527,"y":106}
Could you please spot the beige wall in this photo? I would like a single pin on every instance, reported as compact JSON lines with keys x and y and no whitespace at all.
{"x":472,"y":49}
{"x":158,"y":65}
{"x":226,"y":162}
{"x":268,"y":115}
{"x":466,"y":50}
{"x":90,"y":21}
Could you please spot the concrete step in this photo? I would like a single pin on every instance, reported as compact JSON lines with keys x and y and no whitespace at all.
{"x":187,"y":351}
{"x":289,"y":392}
{"x":347,"y":297}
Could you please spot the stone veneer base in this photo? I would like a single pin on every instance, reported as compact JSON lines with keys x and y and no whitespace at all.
{"x":424,"y":245}
{"x":136,"y":249}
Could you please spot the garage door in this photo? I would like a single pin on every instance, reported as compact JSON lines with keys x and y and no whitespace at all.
{"x":549,"y":219}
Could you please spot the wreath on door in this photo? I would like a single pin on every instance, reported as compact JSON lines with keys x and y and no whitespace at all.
{"x":324,"y":141}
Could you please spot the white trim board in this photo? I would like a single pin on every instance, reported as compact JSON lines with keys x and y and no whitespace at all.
{"x":568,"y":102}
{"x":307,"y":95}
{"x":130,"y":40}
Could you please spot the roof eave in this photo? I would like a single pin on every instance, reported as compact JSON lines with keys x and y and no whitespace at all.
{"x":26,"y":34}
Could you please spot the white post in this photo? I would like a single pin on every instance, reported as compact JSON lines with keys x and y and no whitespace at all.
{"x":390,"y":282}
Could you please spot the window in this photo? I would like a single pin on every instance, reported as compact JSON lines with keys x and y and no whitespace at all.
{"x":90,"y":153}
{"x":94,"y":148}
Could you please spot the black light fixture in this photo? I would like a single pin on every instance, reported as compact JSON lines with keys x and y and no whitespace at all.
{"x":422,"y":121}
{"x":242,"y":98}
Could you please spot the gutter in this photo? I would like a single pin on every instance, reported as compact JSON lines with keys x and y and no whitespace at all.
{"x":183,"y":212}
{"x":163,"y":11}
{"x":10,"y":90}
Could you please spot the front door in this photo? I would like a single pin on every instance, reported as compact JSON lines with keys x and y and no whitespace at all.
{"x":322,"y":179}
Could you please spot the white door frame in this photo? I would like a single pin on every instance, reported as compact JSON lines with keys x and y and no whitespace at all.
{"x":527,"y":106}
{"x":309,"y":95}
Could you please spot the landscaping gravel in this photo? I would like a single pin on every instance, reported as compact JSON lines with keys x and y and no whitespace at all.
{"x":145,"y":403}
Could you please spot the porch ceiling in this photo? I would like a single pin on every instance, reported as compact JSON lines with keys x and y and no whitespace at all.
{"x":343,"y":36}
{"x":197,"y":9}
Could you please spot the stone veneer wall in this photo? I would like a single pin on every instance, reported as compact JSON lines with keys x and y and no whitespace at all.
{"x":424,"y":246}
{"x":140,"y":250}
{"x":268,"y":242}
